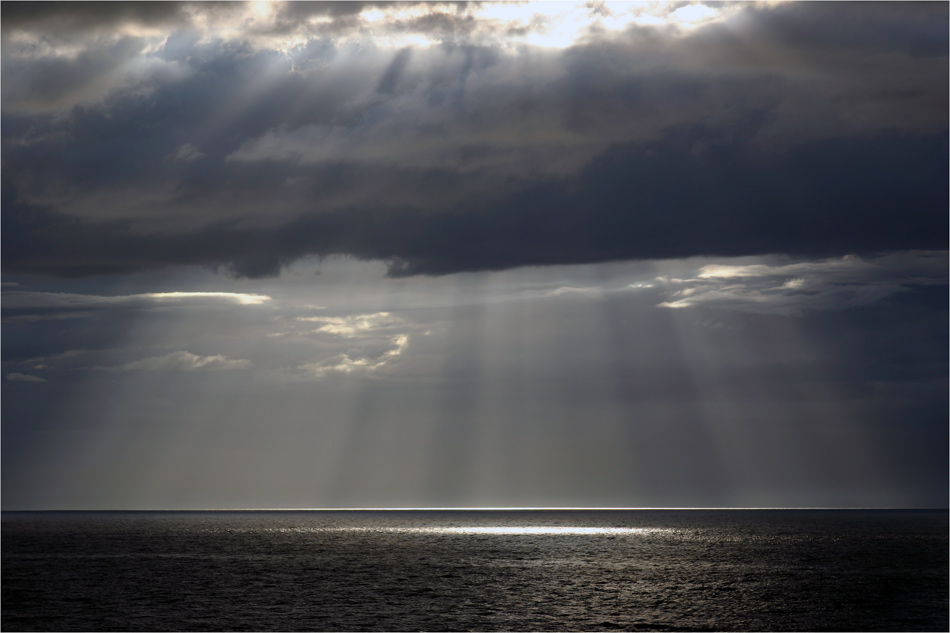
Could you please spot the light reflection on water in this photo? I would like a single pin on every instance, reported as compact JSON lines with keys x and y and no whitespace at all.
{"x":507,"y":530}
{"x":484,"y":571}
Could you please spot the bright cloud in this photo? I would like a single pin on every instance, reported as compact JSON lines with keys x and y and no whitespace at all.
{"x":351,"y":326}
{"x":356,"y":344}
{"x":345,"y":364}
{"x":235,"y":297}
{"x":541,"y":24}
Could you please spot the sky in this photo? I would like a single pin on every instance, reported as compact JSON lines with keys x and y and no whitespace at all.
{"x":552,"y":254}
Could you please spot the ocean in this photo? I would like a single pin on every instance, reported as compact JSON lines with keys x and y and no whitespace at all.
{"x":483,"y":570}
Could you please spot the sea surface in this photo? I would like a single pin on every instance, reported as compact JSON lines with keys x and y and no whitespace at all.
{"x":485,"y":570}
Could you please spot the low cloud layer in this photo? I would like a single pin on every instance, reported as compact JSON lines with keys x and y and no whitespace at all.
{"x":185,"y":361}
{"x":445,"y":138}
{"x":776,"y":381}
{"x":19,"y":305}
{"x":793,"y":289}
{"x":18,"y":377}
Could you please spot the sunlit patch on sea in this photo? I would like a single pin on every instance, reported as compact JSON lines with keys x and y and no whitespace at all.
{"x":477,"y":570}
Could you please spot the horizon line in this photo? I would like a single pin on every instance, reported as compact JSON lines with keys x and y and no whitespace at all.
{"x":478,"y":508}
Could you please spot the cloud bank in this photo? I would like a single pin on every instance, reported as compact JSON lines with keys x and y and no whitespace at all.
{"x":446,"y":138}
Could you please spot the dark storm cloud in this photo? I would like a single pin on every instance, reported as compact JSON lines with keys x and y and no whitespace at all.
{"x":917,"y":28}
{"x":634,"y":202}
{"x":50,"y":82}
{"x":808,"y":129}
{"x":73,"y":16}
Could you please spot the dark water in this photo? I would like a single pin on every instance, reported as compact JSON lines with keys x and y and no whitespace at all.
{"x":726,"y":570}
